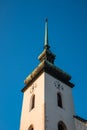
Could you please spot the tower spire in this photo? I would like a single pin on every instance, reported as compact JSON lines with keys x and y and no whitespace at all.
{"x":46,"y":43}
{"x":46,"y":55}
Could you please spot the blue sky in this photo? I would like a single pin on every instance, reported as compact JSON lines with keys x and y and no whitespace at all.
{"x":22,"y":39}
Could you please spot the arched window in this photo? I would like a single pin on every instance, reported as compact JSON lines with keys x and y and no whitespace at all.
{"x":61,"y":126}
{"x":59,"y":100}
{"x":32,"y":102}
{"x":31,"y":127}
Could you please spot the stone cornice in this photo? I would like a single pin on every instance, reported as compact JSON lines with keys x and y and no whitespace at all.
{"x":46,"y":66}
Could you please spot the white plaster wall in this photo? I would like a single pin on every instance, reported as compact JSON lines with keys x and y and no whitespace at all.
{"x":46,"y":108}
{"x":54,"y":114}
{"x":36,"y":115}
{"x":80,"y":125}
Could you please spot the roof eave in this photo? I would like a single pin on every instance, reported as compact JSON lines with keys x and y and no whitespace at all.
{"x":49,"y":68}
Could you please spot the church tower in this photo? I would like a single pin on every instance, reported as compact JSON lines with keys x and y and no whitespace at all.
{"x":47,"y":100}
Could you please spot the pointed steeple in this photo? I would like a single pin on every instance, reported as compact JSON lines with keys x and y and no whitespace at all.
{"x":46,"y":55}
{"x":46,"y":59}
{"x":46,"y":42}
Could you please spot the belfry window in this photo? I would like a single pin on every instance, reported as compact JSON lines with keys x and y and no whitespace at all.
{"x":59,"y":100}
{"x":32,"y":102}
{"x":61,"y":126}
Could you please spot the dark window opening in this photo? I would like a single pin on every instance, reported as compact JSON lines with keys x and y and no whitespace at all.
{"x":31,"y":127}
{"x":32,"y":102}
{"x":59,"y":100}
{"x":61,"y":126}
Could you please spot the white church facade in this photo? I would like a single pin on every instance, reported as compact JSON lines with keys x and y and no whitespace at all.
{"x":48,"y":100}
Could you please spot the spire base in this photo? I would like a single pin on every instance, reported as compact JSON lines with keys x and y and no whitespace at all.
{"x":46,"y":47}
{"x":47,"y":55}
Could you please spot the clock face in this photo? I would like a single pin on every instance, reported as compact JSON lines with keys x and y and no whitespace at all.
{"x":58,"y":85}
{"x":33,"y":88}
